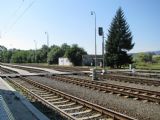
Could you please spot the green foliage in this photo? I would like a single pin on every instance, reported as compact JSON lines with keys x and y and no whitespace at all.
{"x":2,"y":48}
{"x":148,"y":66}
{"x":156,"y":58}
{"x":75,"y":53}
{"x":65,"y":48}
{"x":143,"y":57}
{"x":42,"y":55}
{"x":119,"y":41}
{"x":31,"y":56}
{"x":146,"y":61}
{"x":3,"y":52}
{"x":6,"y":56}
{"x":19,"y":56}
{"x":54,"y":54}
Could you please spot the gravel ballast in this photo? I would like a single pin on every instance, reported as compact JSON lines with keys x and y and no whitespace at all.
{"x":134,"y":108}
{"x":140,"y":86}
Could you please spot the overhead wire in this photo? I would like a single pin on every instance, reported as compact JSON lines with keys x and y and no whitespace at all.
{"x":12,"y":16}
{"x":20,"y":16}
{"x":15,"y":12}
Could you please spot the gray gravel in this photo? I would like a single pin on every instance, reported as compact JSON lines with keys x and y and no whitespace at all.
{"x":134,"y":108}
{"x":146,"y":87}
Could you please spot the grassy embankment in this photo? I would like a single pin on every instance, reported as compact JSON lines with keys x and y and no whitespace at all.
{"x":148,"y":66}
{"x":153,"y":64}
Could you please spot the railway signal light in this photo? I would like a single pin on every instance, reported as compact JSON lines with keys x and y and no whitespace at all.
{"x":100,"y":31}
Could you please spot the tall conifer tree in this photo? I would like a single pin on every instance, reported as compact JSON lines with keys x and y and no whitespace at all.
{"x":119,"y":42}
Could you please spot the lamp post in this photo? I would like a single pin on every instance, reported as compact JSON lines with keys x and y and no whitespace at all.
{"x":93,"y":13}
{"x":103,"y":51}
{"x":101,"y":33}
{"x":35,"y":43}
{"x":47,"y":38}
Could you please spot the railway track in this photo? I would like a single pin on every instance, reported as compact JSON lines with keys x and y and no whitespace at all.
{"x":61,"y":68}
{"x":131,"y":79}
{"x":31,"y":69}
{"x":4,"y":71}
{"x":145,"y":74}
{"x":66,"y":68}
{"x":140,"y":94}
{"x":69,"y":106}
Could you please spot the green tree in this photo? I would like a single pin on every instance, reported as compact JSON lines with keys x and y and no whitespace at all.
{"x":65,"y":48}
{"x":156,"y":58}
{"x":19,"y":56}
{"x":3,"y":51}
{"x":143,"y":57}
{"x":75,"y":53}
{"x":30,"y":56}
{"x":43,"y":54}
{"x":119,"y":42}
{"x":7,"y":56}
{"x":54,"y":54}
{"x":2,"y":48}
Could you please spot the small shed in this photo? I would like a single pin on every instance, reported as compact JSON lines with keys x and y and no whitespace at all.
{"x":64,"y":62}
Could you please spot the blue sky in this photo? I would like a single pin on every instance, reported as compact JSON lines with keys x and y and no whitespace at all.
{"x":70,"y":21}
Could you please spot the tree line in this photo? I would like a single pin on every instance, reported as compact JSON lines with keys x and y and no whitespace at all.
{"x":45,"y":54}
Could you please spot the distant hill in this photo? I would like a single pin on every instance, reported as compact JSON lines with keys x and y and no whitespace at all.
{"x":154,"y":52}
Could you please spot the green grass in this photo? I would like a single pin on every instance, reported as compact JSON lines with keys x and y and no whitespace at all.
{"x":148,"y":66}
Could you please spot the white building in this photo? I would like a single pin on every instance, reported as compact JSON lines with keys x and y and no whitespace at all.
{"x":64,"y":62}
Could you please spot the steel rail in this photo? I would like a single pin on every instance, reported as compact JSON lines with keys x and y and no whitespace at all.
{"x":31,"y":69}
{"x":139,"y":73}
{"x":7,"y":70}
{"x":132,"y":79}
{"x":122,"y":90}
{"x":100,"y":109}
{"x":35,"y":96}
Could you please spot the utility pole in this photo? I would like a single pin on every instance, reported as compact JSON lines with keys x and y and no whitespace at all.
{"x":35,"y":55}
{"x":47,"y":38}
{"x":93,"y":13}
{"x":103,"y":51}
{"x":101,"y":33}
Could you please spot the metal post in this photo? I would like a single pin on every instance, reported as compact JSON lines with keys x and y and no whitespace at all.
{"x":103,"y":51}
{"x":101,"y":33}
{"x":93,"y":12}
{"x":47,"y":38}
{"x":35,"y":50}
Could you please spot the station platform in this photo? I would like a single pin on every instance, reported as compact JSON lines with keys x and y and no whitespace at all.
{"x":16,"y":106}
{"x":5,"y":113}
{"x":20,"y":71}
{"x":26,"y":72}
{"x":9,"y":75}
